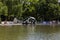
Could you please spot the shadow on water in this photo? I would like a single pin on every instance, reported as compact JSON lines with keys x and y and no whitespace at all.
{"x":30,"y":32}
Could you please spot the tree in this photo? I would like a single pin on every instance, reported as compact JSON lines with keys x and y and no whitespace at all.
{"x":40,"y":9}
{"x":3,"y":10}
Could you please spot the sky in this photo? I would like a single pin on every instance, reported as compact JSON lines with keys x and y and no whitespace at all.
{"x":58,"y":0}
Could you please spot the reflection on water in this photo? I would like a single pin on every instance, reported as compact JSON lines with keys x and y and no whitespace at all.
{"x":30,"y":32}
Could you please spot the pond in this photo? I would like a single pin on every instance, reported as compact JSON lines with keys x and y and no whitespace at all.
{"x":30,"y":32}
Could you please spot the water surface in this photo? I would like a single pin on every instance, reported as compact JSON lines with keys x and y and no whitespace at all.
{"x":30,"y":32}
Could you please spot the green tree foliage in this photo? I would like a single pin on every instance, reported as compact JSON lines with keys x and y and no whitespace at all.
{"x":3,"y":9}
{"x":40,"y":9}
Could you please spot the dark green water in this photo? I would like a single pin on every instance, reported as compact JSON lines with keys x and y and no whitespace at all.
{"x":29,"y":32}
